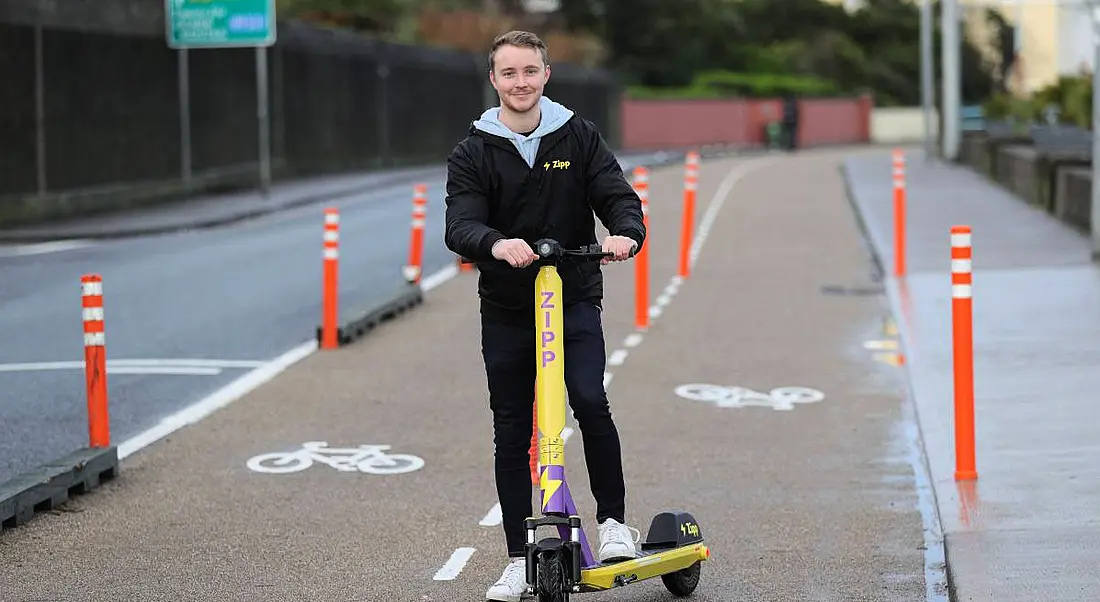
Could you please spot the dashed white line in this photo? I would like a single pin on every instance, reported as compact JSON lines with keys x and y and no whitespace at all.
{"x":493,"y":517}
{"x":427,"y":283}
{"x":454,"y":564}
{"x":617,"y":358}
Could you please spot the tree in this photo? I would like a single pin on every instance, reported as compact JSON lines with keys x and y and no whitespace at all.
{"x":657,"y":43}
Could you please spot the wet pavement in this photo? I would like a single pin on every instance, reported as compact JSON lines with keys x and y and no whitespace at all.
{"x":806,"y":501}
{"x":1028,"y":528}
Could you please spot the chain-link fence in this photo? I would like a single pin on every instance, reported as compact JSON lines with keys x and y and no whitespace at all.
{"x":94,"y":117}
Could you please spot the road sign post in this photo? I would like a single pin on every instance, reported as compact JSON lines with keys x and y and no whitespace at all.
{"x":224,"y":24}
{"x":1094,"y":230}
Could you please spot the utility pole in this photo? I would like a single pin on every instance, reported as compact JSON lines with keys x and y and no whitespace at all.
{"x":926,"y":77}
{"x":1094,"y":7}
{"x":951,"y":76}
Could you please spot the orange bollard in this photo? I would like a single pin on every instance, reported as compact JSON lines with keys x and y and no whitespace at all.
{"x":691,"y":183}
{"x":463,"y":265}
{"x":963,"y":338}
{"x":95,"y":360}
{"x":641,"y":258}
{"x":416,"y":246}
{"x":330,"y":282}
{"x":899,"y":213}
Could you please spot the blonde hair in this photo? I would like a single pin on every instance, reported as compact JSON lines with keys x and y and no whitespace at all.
{"x":523,"y":39}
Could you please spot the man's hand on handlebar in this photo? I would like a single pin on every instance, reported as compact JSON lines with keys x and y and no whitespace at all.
{"x":515,"y":251}
{"x":619,"y":246}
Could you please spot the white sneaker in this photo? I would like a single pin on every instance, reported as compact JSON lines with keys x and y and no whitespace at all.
{"x":512,"y":585}
{"x":616,"y":542}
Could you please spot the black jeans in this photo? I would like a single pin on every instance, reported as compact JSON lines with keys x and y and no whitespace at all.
{"x":509,"y":353}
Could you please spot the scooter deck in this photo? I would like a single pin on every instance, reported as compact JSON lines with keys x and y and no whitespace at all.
{"x":649,"y":563}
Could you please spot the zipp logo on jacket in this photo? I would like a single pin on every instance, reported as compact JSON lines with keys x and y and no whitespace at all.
{"x":556,"y":164}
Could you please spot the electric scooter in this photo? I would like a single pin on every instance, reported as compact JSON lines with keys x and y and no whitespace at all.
{"x":558,"y":566}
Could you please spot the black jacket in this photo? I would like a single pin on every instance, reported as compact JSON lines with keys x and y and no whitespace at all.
{"x":493,"y":194}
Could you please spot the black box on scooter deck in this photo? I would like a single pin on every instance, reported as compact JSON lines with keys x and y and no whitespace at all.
{"x":672,"y":530}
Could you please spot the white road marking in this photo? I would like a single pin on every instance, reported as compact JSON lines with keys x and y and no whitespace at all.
{"x":219,"y":399}
{"x":633,"y":340}
{"x":429,"y":282}
{"x":493,"y":517}
{"x":881,"y":345}
{"x":734,"y":176}
{"x":43,"y":247}
{"x":243,"y":385}
{"x":617,"y":358}
{"x":165,"y":370}
{"x":454,"y":564}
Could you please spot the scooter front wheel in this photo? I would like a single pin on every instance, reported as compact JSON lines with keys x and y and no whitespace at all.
{"x":683,"y":582}
{"x":551,"y":578}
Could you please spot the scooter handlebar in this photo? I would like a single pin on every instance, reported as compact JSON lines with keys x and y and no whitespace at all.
{"x":550,"y":251}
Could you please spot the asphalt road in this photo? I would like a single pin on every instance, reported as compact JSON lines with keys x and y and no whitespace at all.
{"x":814,"y":503}
{"x":234,"y":297}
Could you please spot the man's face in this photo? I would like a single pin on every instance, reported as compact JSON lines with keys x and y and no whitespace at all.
{"x":519,"y":76}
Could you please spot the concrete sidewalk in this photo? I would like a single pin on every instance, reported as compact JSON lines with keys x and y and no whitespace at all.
{"x":1029,"y":527}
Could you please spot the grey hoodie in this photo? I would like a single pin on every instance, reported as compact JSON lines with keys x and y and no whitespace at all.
{"x":554,"y":116}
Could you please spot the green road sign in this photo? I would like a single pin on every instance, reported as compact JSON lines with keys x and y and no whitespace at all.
{"x":220,"y":23}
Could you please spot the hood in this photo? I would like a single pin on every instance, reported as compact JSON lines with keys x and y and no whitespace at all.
{"x":554,"y":116}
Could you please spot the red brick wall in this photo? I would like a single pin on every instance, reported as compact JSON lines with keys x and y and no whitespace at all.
{"x":656,"y":124}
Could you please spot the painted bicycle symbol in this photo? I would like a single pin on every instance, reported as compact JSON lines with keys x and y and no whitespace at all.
{"x":371,"y":459}
{"x":780,"y":398}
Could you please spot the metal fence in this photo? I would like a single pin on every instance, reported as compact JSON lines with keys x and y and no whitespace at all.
{"x":95,"y":114}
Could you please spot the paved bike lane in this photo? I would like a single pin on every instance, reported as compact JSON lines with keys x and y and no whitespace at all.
{"x":188,"y":519}
{"x":814,"y":503}
{"x":800,"y":501}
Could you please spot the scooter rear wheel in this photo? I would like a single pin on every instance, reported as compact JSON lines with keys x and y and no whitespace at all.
{"x":683,"y":582}
{"x":551,"y":578}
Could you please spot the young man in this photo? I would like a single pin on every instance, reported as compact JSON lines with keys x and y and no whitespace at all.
{"x":530,"y":169}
